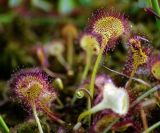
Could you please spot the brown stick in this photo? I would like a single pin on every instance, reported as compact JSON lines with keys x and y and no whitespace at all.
{"x":143,"y":118}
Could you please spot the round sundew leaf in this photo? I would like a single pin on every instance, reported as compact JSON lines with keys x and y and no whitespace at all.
{"x":32,"y":85}
{"x":89,"y":43}
{"x":155,"y":69}
{"x":109,"y":26}
{"x":34,"y":91}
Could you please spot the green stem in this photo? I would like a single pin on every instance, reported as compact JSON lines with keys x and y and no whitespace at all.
{"x":84,"y":114}
{"x":64,"y":63}
{"x":95,"y":69}
{"x":89,"y":105}
{"x":3,"y":125}
{"x":145,"y":95}
{"x":152,"y":127}
{"x":60,"y":106}
{"x":37,"y":119}
{"x":70,"y":51}
{"x":148,"y":3}
{"x":88,"y":63}
{"x":93,"y":76}
{"x":110,"y":126}
{"x":131,"y":77}
{"x":92,"y":110}
{"x":73,"y":99}
{"x":156,"y":8}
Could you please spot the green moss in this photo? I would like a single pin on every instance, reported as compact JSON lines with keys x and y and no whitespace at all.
{"x":31,"y":127}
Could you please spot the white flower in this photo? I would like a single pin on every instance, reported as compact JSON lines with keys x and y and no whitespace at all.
{"x":114,"y":98}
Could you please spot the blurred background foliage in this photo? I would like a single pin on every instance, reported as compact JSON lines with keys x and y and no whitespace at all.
{"x":24,"y":23}
{"x":27,"y":23}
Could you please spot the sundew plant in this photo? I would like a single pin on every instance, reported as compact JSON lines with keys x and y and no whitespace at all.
{"x":81,"y":66}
